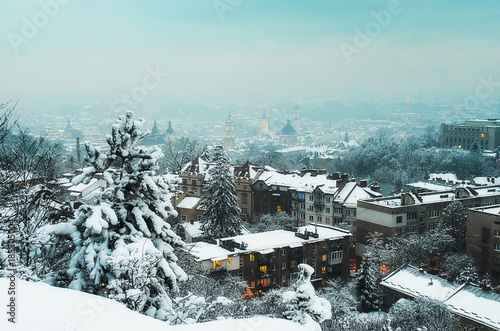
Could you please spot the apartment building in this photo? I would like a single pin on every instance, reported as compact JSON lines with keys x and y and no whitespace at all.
{"x":270,"y":259}
{"x":486,"y":132}
{"x":483,"y":240}
{"x":411,"y":212}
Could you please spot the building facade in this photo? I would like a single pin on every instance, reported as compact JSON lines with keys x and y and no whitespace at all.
{"x":486,"y":132}
{"x":270,"y":259}
{"x":483,"y":240}
{"x":411,"y":213}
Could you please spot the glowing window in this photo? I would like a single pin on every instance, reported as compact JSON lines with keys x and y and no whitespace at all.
{"x":252,"y":257}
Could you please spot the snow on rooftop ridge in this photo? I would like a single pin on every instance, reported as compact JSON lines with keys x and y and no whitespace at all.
{"x":415,"y":283}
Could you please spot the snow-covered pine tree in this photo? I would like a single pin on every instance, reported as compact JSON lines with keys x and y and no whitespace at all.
{"x":127,"y":227}
{"x":455,"y":223}
{"x":219,"y":200}
{"x":303,"y":305}
{"x":367,"y":282}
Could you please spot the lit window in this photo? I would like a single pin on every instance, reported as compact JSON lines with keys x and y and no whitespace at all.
{"x":278,"y":209}
{"x":324,"y":257}
{"x":229,"y":260}
{"x":217,"y":264}
{"x":323,"y":269}
{"x":252,"y":257}
{"x":263,"y":269}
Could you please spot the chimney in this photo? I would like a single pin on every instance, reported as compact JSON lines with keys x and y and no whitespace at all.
{"x":363,"y":183}
{"x":344,"y":178}
{"x":335,"y":175}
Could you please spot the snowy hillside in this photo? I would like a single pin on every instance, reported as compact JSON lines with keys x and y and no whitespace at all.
{"x":41,"y":307}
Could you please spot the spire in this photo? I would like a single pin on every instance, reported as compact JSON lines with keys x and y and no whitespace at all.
{"x":155,"y":128}
{"x":170,"y":130}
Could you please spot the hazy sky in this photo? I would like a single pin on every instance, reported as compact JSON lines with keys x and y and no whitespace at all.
{"x":248,"y":48}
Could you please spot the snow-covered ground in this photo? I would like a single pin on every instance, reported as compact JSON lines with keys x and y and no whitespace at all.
{"x":40,"y":307}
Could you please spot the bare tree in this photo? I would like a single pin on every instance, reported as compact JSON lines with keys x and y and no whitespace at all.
{"x":179,"y":152}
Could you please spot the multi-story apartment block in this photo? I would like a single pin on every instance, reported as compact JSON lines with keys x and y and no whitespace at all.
{"x":270,"y":259}
{"x":486,"y":132}
{"x":483,"y":240}
{"x":194,"y":175}
{"x":415,"y":213}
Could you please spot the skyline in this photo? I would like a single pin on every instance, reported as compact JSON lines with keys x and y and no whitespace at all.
{"x":245,"y":49}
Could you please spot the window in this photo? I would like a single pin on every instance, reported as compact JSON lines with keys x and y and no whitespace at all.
{"x":496,"y":260}
{"x":327,"y":200}
{"x":283,"y":278}
{"x":399,"y":219}
{"x":241,"y":261}
{"x":194,"y":182}
{"x":433,"y":226}
{"x":327,"y":220}
{"x":244,"y":211}
{"x":244,"y":198}
{"x":311,"y":197}
{"x":411,"y":216}
{"x":252,"y":284}
{"x":278,"y":209}
{"x":252,"y":272}
{"x":229,"y":260}
{"x":217,"y":264}
{"x":283,"y":251}
{"x":240,"y":273}
{"x":497,"y":248}
{"x":244,"y":187}
{"x":274,"y":266}
{"x":263,"y":269}
{"x":183,"y":218}
{"x":311,"y":218}
{"x":184,"y":181}
{"x":283,"y":265}
{"x":323,"y":269}
{"x":252,"y":257}
{"x":293,"y":263}
{"x":411,"y":229}
{"x":304,"y":260}
{"x":397,"y":232}
{"x":337,"y":255}
{"x":434,"y":213}
{"x":496,"y":233}
{"x":323,"y":257}
{"x":320,"y":219}
{"x":327,"y":210}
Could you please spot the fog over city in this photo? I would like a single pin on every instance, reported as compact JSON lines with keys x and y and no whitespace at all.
{"x":319,"y":165}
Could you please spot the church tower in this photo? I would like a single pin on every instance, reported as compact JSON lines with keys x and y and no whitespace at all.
{"x":264,"y":124}
{"x":229,"y":133}
{"x":170,"y":131}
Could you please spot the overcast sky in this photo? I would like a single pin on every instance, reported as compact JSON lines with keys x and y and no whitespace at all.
{"x":254,"y":48}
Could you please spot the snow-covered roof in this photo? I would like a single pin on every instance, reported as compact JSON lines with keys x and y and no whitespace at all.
{"x":265,"y":241}
{"x":486,"y":180}
{"x":352,"y":192}
{"x":429,"y":186}
{"x":81,"y":187}
{"x":444,"y":177}
{"x":475,"y":304}
{"x":465,"y":300}
{"x":188,"y":202}
{"x":440,"y":196}
{"x":412,"y":282}
{"x":194,"y":229}
{"x":495,"y":209}
{"x":300,"y":182}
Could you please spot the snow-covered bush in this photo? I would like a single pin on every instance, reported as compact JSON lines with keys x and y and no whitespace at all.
{"x":303,"y":305}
